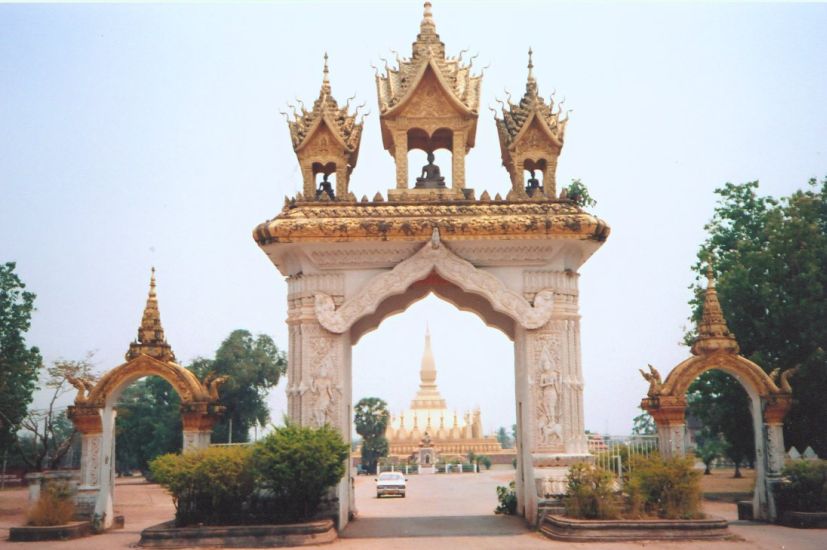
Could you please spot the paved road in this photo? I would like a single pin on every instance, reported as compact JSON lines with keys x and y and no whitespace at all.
{"x":441,"y":511}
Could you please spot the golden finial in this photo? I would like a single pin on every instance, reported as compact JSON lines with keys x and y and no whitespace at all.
{"x":530,"y":64}
{"x":325,"y":77}
{"x":427,"y":18}
{"x":152,"y":283}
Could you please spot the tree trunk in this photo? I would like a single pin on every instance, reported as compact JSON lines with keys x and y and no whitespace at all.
{"x":738,"y":474}
{"x":707,"y":470}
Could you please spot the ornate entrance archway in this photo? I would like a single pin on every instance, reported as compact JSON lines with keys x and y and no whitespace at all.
{"x":716,"y":348}
{"x":94,"y":409}
{"x":350,"y":264}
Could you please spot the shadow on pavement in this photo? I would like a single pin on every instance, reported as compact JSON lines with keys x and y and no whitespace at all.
{"x":439,"y":526}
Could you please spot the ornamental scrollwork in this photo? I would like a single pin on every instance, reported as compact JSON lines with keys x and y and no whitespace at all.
{"x":434,"y":256}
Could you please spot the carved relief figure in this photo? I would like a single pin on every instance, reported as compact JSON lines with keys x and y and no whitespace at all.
{"x":212,"y":383}
{"x":550,"y":429}
{"x":654,"y":379}
{"x":325,"y":388}
{"x":83,"y":385}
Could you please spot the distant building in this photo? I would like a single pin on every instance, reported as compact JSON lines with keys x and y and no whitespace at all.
{"x":451,"y":434}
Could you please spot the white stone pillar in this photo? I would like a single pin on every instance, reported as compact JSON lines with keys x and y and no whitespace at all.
{"x":104,"y":509}
{"x":319,"y":370}
{"x":774,"y":442}
{"x":672,"y":439}
{"x":549,"y":393}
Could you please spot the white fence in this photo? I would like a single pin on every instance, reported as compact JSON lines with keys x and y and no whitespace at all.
{"x":618,"y":453}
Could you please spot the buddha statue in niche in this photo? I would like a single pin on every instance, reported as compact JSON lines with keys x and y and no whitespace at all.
{"x":325,"y":187}
{"x":532,"y":185}
{"x":430,"y":178}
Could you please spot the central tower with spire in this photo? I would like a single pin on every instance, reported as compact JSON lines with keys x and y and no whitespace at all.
{"x":428,"y":396}
{"x":451,"y":434}
{"x":428,"y":102}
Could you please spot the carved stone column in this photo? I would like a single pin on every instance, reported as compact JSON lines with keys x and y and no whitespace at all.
{"x":669,"y":417}
{"x":87,"y":421}
{"x":309,"y":181}
{"x":550,"y":177}
{"x":400,"y":155}
{"x":198,"y":424}
{"x":458,"y":151}
{"x":775,"y":409}
{"x":104,"y":505}
{"x":342,"y":183}
{"x":550,"y":405}
{"x":319,"y":370}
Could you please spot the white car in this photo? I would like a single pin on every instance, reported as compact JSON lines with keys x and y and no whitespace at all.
{"x":391,"y":483}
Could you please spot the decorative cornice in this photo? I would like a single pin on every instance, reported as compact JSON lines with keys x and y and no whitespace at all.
{"x":434,"y":256}
{"x":342,"y":222}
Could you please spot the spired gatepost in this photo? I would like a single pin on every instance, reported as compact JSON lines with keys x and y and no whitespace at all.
{"x":94,"y":412}
{"x":512,"y":262}
{"x":770,"y":398}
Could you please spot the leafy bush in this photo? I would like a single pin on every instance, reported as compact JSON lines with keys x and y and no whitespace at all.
{"x":507,"y":497}
{"x":209,"y":485}
{"x":804,"y":488}
{"x":299,"y":465}
{"x":579,"y":194}
{"x":54,"y":507}
{"x":590,"y":493}
{"x":668,"y":488}
{"x":484,"y":461}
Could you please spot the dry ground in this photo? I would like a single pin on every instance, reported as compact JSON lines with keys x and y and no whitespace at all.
{"x":440,"y":511}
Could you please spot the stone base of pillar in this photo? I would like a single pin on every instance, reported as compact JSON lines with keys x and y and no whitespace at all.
{"x":551,"y":471}
{"x":85,"y":502}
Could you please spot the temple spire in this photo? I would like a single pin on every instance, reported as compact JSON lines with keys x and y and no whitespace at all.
{"x":530,"y":66}
{"x":428,"y":396}
{"x":427,"y":24}
{"x":713,"y":333}
{"x":151,"y":340}
{"x":325,"y":78}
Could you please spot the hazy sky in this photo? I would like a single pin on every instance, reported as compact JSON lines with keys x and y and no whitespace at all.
{"x":133,"y":135}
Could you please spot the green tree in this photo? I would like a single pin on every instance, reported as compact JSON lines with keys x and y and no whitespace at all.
{"x":643,"y":424}
{"x":709,"y":448}
{"x":254,"y":366}
{"x":770,"y":256}
{"x":721,"y":404}
{"x":504,"y":439}
{"x":48,"y":433}
{"x":19,"y":363}
{"x":148,"y":424}
{"x":371,"y":417}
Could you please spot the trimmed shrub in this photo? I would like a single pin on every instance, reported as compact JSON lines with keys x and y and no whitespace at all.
{"x":298,"y":465}
{"x":208,"y":486}
{"x":804,"y":488}
{"x":668,"y":488}
{"x":54,"y":507}
{"x":590,"y":493}
{"x":507,"y":498}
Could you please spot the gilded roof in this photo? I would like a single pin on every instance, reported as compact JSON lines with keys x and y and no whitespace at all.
{"x":516,"y":117}
{"x":340,"y":122}
{"x":394,"y":86}
{"x":342,"y":222}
